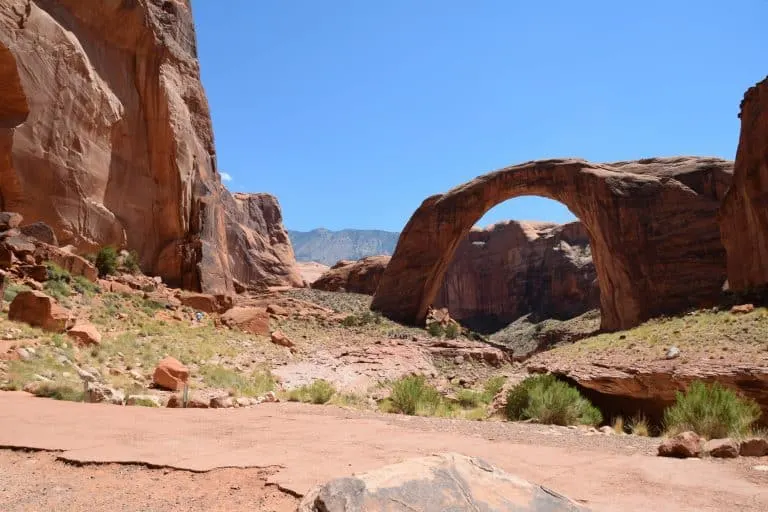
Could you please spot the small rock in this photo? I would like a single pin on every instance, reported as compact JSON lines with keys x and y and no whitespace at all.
{"x":684,"y":445}
{"x":222,"y":402}
{"x":754,"y":447}
{"x":722,"y":448}
{"x":607,"y":430}
{"x":270,"y":397}
{"x":116,"y":371}
{"x":243,"y":401}
{"x":742,"y":309}
{"x":23,"y":354}
{"x":99,"y":393}
{"x":85,"y":334}
{"x":279,"y":338}
{"x":760,"y":468}
{"x":459,"y":359}
{"x":673,"y":353}
{"x":136,"y":375}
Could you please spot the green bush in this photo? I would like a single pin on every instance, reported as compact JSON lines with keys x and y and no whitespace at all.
{"x":56,"y":391}
{"x":319,"y":392}
{"x":12,"y":290}
{"x":106,"y":261}
{"x":412,"y":394}
{"x":712,"y":411}
{"x":56,"y":273}
{"x":84,"y":286}
{"x":492,"y":388}
{"x":452,"y":331}
{"x":369,"y":317}
{"x":436,"y":330}
{"x":256,"y":384}
{"x":544,"y":399}
{"x":59,"y":290}
{"x":131,"y":262}
{"x":469,"y":399}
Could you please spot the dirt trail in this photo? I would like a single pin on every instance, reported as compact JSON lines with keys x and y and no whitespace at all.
{"x":298,"y":446}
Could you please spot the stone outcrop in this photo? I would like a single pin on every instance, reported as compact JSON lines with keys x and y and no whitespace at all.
{"x":682,"y":446}
{"x":744,"y":214}
{"x":513,"y":269}
{"x":247,"y":319}
{"x":39,"y":310}
{"x":447,"y":481}
{"x":106,"y":136}
{"x":360,"y":276}
{"x":652,"y":224}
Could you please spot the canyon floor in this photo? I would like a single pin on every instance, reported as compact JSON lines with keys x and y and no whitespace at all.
{"x":132,"y":458}
{"x":264,"y":456}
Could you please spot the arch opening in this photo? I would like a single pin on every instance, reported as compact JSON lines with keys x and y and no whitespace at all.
{"x":521,"y":280}
{"x":645,"y":220}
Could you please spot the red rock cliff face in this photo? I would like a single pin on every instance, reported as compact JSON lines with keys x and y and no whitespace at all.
{"x":744,"y":213}
{"x":513,"y":268}
{"x":116,"y":145}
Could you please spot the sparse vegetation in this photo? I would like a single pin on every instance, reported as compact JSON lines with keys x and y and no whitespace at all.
{"x":131,"y":262}
{"x":362,"y":319}
{"x":712,"y":411}
{"x":82,"y":285}
{"x":412,"y":395}
{"x":240,"y":384}
{"x":106,"y":261}
{"x":452,"y":331}
{"x":618,"y":424}
{"x":435,"y":330}
{"x":319,"y":392}
{"x":639,"y":426}
{"x":544,"y":399}
{"x":144,"y":402}
{"x":58,"y":391}
{"x":12,"y":290}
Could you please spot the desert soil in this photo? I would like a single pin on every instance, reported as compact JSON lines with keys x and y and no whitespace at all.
{"x":282,"y":450}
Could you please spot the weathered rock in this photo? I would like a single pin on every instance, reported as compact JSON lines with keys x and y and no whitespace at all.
{"x":753,"y":447}
{"x":683,"y":445}
{"x":434,"y":484}
{"x":279,"y":338}
{"x":7,"y":258}
{"x":10,"y":220}
{"x":742,"y":309}
{"x":72,"y":263}
{"x":353,"y":276}
{"x":251,"y":320}
{"x":85,"y":334}
{"x":512,"y":269}
{"x":193,"y":402}
{"x":207,"y":303}
{"x":722,"y":448}
{"x":274,"y":309}
{"x":40,"y":231}
{"x":644,"y":263}
{"x":37,"y":272}
{"x":114,"y":286}
{"x":170,"y":374}
{"x":20,"y":245}
{"x":39,"y":310}
{"x":131,"y":162}
{"x":222,"y":402}
{"x":101,"y":393}
{"x":744,"y":213}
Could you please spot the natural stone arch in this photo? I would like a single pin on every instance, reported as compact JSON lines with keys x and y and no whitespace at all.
{"x":652,"y":225}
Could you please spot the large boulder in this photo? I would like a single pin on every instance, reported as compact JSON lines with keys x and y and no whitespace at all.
{"x":360,"y":276}
{"x":9,"y":220}
{"x":40,"y":231}
{"x":512,"y":269}
{"x":435,"y":484}
{"x":206,"y":302}
{"x":744,"y":214}
{"x":652,"y":223}
{"x":170,"y":374}
{"x":85,"y":334}
{"x":39,"y":310}
{"x":248,"y":319}
{"x":681,"y":446}
{"x":132,"y":163}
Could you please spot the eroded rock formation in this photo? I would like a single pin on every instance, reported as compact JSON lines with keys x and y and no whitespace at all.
{"x":744,"y":214}
{"x":652,"y":224}
{"x":513,"y":268}
{"x":360,"y":276}
{"x":106,"y":136}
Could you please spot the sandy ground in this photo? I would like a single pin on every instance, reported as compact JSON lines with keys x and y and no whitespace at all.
{"x":293,"y":447}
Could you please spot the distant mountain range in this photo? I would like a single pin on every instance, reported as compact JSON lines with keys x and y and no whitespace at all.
{"x":328,"y":247}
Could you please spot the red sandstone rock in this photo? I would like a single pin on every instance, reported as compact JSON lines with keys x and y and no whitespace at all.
{"x":207,"y":303}
{"x":744,"y":213}
{"x":754,"y":447}
{"x":512,"y":269}
{"x":251,"y":320}
{"x":684,"y":445}
{"x":279,"y":338}
{"x":85,"y":334}
{"x":9,"y":220}
{"x":131,"y":161}
{"x":40,"y":231}
{"x":643,"y":218}
{"x":722,"y":448}
{"x":39,"y":310}
{"x":742,"y":309}
{"x":353,"y":276}
{"x":170,"y":374}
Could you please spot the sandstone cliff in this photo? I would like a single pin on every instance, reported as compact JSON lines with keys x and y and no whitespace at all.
{"x":513,"y":268}
{"x":105,"y":135}
{"x":744,"y":214}
{"x":353,"y":276}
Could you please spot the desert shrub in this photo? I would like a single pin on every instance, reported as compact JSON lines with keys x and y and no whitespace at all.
{"x":241,"y":384}
{"x":544,"y":399}
{"x":84,"y":286}
{"x":712,"y":411}
{"x":492,"y":387}
{"x":413,"y":394}
{"x":144,"y":402}
{"x":57,"y":391}
{"x":106,"y":261}
{"x":639,"y":426}
{"x":59,"y":290}
{"x":452,"y":331}
{"x":435,"y":329}
{"x":319,"y":392}
{"x":131,"y":262}
{"x":363,"y":319}
{"x":618,"y":424}
{"x":56,"y":273}
{"x":468,"y":398}
{"x":12,"y":290}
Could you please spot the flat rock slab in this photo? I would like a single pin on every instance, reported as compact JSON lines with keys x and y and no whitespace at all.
{"x":313,"y":444}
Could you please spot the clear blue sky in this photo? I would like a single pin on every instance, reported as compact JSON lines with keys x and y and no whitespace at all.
{"x":353,"y":111}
